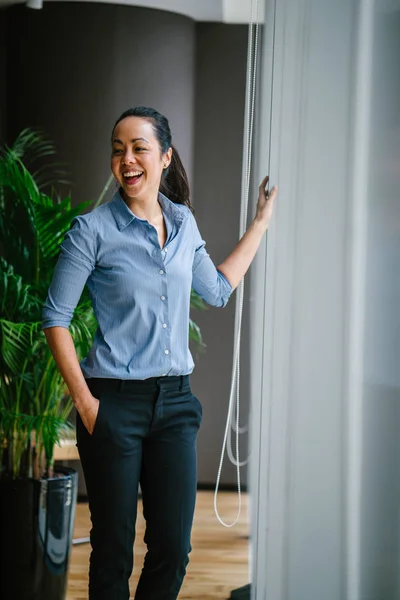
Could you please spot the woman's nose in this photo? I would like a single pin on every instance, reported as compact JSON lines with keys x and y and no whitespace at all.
{"x":128,"y":158}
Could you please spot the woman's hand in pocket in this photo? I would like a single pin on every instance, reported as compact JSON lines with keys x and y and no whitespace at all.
{"x":88,"y":413}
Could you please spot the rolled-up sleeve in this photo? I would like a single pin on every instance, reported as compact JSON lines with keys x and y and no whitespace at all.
{"x":75,"y":263}
{"x":208,"y":282}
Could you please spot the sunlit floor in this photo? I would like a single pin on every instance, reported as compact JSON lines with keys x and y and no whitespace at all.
{"x":218,"y":562}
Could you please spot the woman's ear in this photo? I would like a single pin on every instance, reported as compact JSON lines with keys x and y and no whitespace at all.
{"x":167,"y":158}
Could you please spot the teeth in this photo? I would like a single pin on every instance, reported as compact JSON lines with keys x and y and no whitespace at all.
{"x":133,"y":173}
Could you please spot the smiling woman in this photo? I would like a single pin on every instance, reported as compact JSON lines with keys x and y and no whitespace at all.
{"x":174,"y":64}
{"x":137,"y":418}
{"x":144,"y":161}
{"x":135,"y":158}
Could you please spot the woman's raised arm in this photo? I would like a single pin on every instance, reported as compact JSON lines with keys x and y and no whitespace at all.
{"x":235,"y":266}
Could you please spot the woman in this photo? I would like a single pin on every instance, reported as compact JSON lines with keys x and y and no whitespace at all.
{"x":137,"y":419}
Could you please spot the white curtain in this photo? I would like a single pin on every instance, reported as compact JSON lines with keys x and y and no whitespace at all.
{"x":324,"y":474}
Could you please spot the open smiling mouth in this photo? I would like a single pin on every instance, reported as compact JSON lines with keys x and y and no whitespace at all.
{"x":132,"y":177}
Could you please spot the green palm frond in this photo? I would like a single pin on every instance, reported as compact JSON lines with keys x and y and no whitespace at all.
{"x":27,"y":431}
{"x":195,"y":334}
{"x":32,"y":225}
{"x":82,"y":328}
{"x":18,"y":196}
{"x":31,"y":146}
{"x":52,"y":221}
{"x":53,"y":430}
{"x":196,"y":301}
{"x":17,"y":302}
{"x":16,"y":339}
{"x":34,"y":400}
{"x":15,"y":178}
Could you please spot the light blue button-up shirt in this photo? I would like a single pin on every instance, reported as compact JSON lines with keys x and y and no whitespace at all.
{"x":140,"y":292}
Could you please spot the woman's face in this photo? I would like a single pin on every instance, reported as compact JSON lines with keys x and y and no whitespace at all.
{"x":136,"y":160}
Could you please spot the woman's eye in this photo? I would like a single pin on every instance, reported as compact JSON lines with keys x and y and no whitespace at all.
{"x":116,"y":151}
{"x":140,"y":149}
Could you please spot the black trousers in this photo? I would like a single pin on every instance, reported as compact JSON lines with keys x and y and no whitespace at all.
{"x":145,"y":433}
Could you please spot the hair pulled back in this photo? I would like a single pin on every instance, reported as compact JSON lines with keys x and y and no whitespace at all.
{"x":174,"y":181}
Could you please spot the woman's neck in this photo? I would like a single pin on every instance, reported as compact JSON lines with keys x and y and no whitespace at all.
{"x":144,"y":209}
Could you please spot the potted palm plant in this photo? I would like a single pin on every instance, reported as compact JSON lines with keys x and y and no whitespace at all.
{"x":37,"y":500}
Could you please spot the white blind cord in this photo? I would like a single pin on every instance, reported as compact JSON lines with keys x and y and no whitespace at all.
{"x":232,"y":421}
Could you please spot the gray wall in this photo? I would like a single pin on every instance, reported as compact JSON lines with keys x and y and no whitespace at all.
{"x":220,"y":94}
{"x":83,"y":64}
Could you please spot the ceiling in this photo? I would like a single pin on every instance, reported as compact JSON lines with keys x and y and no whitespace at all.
{"x":224,"y":11}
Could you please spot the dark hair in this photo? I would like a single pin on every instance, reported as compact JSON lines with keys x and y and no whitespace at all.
{"x":174,"y":182}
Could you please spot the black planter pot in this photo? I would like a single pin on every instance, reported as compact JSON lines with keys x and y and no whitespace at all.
{"x":36,"y":526}
{"x":242,"y":593}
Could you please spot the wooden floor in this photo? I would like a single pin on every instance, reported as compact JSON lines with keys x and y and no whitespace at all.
{"x":218,"y":562}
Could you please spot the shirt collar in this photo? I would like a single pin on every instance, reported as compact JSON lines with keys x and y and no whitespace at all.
{"x":124,"y":216}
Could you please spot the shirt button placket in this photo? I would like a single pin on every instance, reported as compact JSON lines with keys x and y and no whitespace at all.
{"x":164,"y":321}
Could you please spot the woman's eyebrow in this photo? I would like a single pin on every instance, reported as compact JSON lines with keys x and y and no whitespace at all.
{"x":117,"y":141}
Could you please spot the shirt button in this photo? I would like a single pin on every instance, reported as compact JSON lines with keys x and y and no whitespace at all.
{"x":164,"y":325}
{"x":165,"y":249}
{"x":166,"y":351}
{"x":162,"y":297}
{"x":161,"y":272}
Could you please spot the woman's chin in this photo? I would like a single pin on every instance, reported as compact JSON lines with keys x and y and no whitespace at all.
{"x":132,"y":191}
